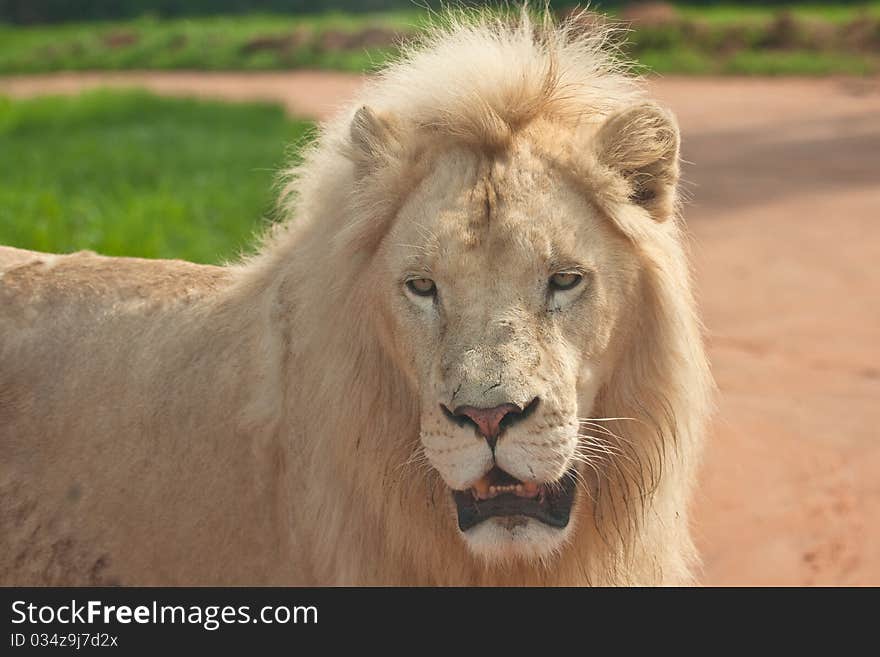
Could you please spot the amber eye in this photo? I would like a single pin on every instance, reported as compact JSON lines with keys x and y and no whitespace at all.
{"x":424,"y":287}
{"x":565,"y":280}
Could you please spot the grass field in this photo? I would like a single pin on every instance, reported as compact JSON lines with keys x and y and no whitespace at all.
{"x":251,"y":42}
{"x":132,"y":174}
{"x":810,"y":39}
{"x":732,"y":11}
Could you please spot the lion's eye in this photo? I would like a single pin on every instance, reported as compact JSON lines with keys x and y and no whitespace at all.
{"x":424,"y":287}
{"x":565,"y":280}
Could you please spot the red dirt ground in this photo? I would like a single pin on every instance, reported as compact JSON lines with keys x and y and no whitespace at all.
{"x":784,"y":177}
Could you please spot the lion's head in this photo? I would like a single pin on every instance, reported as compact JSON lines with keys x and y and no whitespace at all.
{"x":509,"y":223}
{"x":507,"y":292}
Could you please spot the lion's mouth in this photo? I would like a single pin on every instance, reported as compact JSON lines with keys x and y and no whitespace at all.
{"x":499,"y":494}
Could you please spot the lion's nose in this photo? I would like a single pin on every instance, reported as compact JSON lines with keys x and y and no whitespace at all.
{"x":491,"y":422}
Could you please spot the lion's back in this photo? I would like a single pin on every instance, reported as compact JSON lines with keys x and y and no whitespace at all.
{"x":10,"y":257}
{"x":68,"y":313}
{"x":79,"y":316}
{"x":29,"y":276}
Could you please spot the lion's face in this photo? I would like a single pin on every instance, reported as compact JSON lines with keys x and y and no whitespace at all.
{"x":506,"y":291}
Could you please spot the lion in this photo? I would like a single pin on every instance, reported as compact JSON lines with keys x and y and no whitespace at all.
{"x":470,"y":355}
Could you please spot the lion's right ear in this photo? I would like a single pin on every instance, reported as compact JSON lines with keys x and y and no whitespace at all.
{"x":641,"y":145}
{"x":373,"y":139}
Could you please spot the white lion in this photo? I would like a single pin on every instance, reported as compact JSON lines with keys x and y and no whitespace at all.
{"x":471,"y":356}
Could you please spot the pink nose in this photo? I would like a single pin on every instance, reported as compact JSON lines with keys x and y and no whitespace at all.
{"x":488,"y":420}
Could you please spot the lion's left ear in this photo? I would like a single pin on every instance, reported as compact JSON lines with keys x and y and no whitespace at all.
{"x":373,"y":139}
{"x":641,"y":143}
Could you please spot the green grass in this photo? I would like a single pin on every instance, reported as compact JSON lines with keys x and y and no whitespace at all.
{"x":128,"y":173}
{"x":828,"y":11}
{"x":806,"y":39}
{"x":796,"y":62}
{"x":717,"y":39}
{"x":213,"y":43}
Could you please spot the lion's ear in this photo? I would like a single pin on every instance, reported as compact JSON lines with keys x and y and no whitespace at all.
{"x":373,"y":139}
{"x":641,"y":143}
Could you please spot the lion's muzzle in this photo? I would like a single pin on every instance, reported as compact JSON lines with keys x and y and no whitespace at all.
{"x":497,"y":493}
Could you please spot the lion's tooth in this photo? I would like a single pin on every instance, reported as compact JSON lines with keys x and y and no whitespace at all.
{"x":527,"y":490}
{"x":481,"y":488}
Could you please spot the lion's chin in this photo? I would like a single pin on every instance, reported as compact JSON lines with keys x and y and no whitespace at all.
{"x":504,"y":539}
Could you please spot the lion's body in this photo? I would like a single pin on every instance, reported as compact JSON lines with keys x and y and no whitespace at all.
{"x":102,"y":466}
{"x":170,"y":423}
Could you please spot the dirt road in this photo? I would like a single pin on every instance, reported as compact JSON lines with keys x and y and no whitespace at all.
{"x":784,"y":176}
{"x":313,"y":94}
